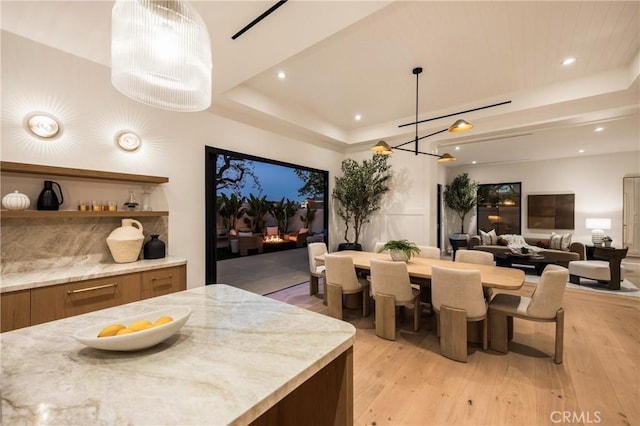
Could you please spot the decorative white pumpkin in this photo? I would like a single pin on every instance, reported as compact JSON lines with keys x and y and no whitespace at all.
{"x":16,"y":201}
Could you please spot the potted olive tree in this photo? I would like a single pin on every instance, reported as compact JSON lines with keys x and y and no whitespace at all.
{"x":358,"y":194}
{"x":461,"y":196}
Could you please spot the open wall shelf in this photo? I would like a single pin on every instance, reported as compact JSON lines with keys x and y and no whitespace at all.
{"x":35,"y":169}
{"x":43,"y":214}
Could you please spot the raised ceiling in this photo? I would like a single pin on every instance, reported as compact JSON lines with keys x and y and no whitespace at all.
{"x":347,"y":58}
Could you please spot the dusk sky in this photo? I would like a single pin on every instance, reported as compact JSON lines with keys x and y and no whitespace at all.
{"x":276,"y":181}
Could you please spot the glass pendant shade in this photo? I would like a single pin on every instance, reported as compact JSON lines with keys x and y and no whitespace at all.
{"x":161,"y":54}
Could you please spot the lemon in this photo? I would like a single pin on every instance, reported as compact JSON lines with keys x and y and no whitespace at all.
{"x":110,"y":330}
{"x":141,"y":325}
{"x":162,"y":320}
{"x":125,"y":331}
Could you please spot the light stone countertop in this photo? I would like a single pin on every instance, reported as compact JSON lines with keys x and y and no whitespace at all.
{"x":238,"y":354}
{"x":85,"y":271}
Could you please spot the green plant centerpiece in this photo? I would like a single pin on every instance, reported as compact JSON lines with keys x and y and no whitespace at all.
{"x":359,"y":192}
{"x":401,"y":250}
{"x":461,"y":195}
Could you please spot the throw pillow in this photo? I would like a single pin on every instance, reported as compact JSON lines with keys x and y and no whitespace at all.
{"x":542,"y":244}
{"x":560,"y":241}
{"x":489,"y":238}
{"x":272,"y":230}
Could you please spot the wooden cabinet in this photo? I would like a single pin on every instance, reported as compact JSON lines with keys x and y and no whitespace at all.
{"x":163,"y":281}
{"x":15,"y":310}
{"x":65,"y":300}
{"x":30,"y":307}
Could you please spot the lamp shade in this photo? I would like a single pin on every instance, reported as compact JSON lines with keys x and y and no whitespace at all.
{"x":446,"y":157}
{"x":382,"y":148}
{"x":460,"y":126}
{"x":598,"y":223}
{"x":161,"y":54}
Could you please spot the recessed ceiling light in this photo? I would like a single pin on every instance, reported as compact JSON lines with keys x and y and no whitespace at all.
{"x":457,"y":148}
{"x":569,"y":61}
{"x":282,"y":75}
{"x":599,"y":129}
{"x":358,"y":117}
{"x":581,"y":151}
{"x":43,"y":125}
{"x":474,"y":162}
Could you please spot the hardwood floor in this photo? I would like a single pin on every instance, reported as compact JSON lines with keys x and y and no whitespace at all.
{"x":408,"y":382}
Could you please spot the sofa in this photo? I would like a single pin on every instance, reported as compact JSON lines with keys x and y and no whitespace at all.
{"x":576,"y":250}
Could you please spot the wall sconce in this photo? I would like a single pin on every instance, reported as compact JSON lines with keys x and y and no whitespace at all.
{"x":597,"y":225}
{"x":128,"y":141}
{"x":43,"y":125}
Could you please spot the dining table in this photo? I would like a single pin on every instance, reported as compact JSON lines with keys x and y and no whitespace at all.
{"x":419,"y":269}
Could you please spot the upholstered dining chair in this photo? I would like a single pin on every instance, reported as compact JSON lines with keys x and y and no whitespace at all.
{"x":378,"y":246}
{"x":315,"y":271}
{"x":545,"y":304}
{"x":457,"y":298}
{"x":390,"y":288}
{"x":429,"y":252}
{"x":341,"y":279}
{"x":478,"y":257}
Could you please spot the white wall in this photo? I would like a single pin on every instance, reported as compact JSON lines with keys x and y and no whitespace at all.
{"x":409,"y":208}
{"x":596,"y":182}
{"x":79,"y":93}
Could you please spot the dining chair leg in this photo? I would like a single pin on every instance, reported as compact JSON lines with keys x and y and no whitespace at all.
{"x":313,"y":285}
{"x":485,"y":334}
{"x":437,"y":324}
{"x":559,"y":336}
{"x":385,"y":316}
{"x":498,"y":325}
{"x":334,"y":300}
{"x":416,"y":313}
{"x":453,"y":338}
{"x":366,"y":302}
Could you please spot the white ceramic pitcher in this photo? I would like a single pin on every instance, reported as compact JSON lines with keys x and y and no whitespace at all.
{"x":125,"y":242}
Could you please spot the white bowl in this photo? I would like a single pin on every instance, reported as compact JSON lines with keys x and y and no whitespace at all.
{"x":140,"y":339}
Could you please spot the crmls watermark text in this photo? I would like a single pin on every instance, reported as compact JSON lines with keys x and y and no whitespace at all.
{"x":584,"y":417}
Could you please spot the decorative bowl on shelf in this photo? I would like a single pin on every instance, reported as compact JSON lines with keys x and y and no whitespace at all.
{"x":137,"y":340}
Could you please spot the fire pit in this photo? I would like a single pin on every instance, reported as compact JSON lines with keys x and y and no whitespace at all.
{"x":273,"y":239}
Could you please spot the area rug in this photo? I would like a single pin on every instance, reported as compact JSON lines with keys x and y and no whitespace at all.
{"x":627,"y":288}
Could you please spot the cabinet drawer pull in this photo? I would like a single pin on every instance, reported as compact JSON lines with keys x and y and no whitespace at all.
{"x":98,"y":287}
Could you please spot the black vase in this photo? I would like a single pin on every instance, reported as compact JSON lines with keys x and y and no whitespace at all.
{"x":154,"y":248}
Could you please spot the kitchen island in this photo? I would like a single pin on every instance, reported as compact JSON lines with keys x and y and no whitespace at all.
{"x":240,"y":359}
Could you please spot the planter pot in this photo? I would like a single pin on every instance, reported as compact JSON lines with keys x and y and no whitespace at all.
{"x":398,"y":255}
{"x":349,"y":246}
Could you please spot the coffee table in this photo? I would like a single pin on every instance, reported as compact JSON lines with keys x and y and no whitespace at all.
{"x":509,"y":259}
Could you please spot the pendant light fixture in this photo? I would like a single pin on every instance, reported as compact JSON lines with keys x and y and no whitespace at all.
{"x":161,"y":54}
{"x":459,"y":125}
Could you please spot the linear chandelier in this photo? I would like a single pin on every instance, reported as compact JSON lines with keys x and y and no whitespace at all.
{"x":161,"y":54}
{"x":460,"y":125}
